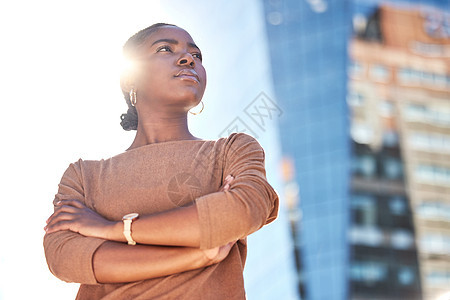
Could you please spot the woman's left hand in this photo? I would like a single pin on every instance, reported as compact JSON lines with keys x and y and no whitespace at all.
{"x":75,"y":216}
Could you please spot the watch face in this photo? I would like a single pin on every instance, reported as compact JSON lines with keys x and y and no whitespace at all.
{"x":130,"y":216}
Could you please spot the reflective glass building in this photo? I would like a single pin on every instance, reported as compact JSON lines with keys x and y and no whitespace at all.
{"x":308,"y":48}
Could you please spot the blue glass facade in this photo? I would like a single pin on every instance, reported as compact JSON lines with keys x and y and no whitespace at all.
{"x":308,"y":49}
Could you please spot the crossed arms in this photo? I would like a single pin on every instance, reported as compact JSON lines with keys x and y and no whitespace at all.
{"x":156,"y":235}
{"x":170,"y":242}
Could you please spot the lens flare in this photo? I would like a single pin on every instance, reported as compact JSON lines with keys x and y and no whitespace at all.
{"x":444,"y":296}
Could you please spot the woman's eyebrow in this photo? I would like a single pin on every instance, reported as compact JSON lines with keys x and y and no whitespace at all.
{"x":174,"y":42}
{"x":170,"y":41}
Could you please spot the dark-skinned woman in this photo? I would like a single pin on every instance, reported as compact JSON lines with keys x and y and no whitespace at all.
{"x":169,"y":217}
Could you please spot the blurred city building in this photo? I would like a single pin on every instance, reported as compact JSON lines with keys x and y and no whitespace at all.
{"x":308,"y":50}
{"x":399,"y":94}
{"x":366,"y":157}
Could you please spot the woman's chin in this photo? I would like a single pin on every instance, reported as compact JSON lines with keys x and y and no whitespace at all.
{"x":191,"y":97}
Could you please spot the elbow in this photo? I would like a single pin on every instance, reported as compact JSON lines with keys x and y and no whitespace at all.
{"x":53,"y":258}
{"x":254,"y":218}
{"x":58,"y":268}
{"x":251,"y":216}
{"x":66,"y":260}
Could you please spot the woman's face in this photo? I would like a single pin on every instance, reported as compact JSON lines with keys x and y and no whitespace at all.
{"x":170,"y":71}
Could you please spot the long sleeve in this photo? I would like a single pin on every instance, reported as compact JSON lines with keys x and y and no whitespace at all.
{"x":69,"y":255}
{"x":251,"y":201}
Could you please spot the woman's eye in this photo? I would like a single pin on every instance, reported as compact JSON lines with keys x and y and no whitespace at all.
{"x":197,"y":55}
{"x":164,"y":49}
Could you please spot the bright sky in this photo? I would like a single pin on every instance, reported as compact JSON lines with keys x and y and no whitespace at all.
{"x":59,"y":72}
{"x":61,"y":100}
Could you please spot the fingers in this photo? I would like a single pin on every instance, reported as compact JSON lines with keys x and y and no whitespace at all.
{"x":226,"y":184}
{"x":223,"y":252}
{"x":211,"y":253}
{"x":215,"y":255}
{"x":72,"y":202}
{"x":59,"y":218}
{"x":62,"y":209}
{"x":65,"y":212}
{"x":58,"y":226}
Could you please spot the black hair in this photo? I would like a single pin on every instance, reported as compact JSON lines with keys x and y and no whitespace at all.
{"x":130,"y":118}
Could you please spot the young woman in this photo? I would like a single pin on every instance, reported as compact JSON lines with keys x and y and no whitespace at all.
{"x":194,"y":201}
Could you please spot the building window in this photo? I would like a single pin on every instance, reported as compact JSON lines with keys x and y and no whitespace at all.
{"x":355,"y":99}
{"x":433,"y":210}
{"x":367,"y":235}
{"x":356,"y":69}
{"x":408,"y":76}
{"x":368,"y":271}
{"x":380,"y":73}
{"x":402,"y":239}
{"x":398,"y":206}
{"x":406,"y":276}
{"x":435,"y":175}
{"x":364,"y":230}
{"x":430,"y":142}
{"x":416,"y":111}
{"x":432,"y":115}
{"x":438,"y":278}
{"x":364,"y":210}
{"x":392,"y":167}
{"x":436,"y":243}
{"x":364,"y":165}
{"x":441,"y":80}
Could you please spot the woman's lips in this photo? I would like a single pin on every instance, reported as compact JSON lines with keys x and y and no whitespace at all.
{"x":186,"y":74}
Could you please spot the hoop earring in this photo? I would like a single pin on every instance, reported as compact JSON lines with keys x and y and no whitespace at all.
{"x":133,"y":97}
{"x":203,"y":106}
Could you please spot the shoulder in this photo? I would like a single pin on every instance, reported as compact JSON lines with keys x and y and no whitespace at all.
{"x":241,"y":143}
{"x":82,"y":167}
{"x":240,"y":138}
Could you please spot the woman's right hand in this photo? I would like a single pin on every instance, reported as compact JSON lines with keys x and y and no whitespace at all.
{"x":216,"y":255}
{"x":226,"y":183}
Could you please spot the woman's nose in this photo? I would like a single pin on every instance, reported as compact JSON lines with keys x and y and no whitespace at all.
{"x":186,"y":59}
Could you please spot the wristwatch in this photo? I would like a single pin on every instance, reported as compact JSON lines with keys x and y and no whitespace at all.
{"x":127,"y":220}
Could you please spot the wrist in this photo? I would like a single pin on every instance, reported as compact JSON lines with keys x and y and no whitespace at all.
{"x":116,"y":232}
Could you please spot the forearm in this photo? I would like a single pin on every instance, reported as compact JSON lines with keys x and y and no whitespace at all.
{"x":117,"y":262}
{"x":177,"y":227}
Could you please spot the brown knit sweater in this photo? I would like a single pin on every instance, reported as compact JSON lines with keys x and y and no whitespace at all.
{"x":160,"y":177}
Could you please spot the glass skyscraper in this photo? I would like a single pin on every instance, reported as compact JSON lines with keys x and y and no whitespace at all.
{"x":308,"y":49}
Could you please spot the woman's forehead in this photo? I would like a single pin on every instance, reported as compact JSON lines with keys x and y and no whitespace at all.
{"x":170,"y":32}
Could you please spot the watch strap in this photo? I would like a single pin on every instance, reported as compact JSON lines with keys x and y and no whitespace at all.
{"x":127,"y":231}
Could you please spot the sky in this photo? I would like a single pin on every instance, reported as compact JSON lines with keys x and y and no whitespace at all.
{"x":60,"y":64}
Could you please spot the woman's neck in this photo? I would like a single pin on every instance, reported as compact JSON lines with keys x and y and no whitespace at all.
{"x":160,"y":129}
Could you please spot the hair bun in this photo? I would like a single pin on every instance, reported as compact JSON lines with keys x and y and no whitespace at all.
{"x":129,"y":120}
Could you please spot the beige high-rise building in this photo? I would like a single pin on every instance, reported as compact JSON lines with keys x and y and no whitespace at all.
{"x":399,"y":92}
